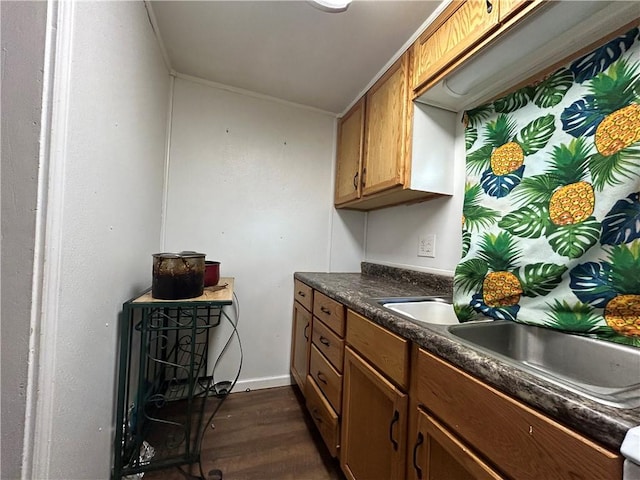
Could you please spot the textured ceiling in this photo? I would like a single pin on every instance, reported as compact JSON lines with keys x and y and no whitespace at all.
{"x":288,"y":50}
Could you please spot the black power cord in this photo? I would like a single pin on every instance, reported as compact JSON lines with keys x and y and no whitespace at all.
{"x":222,"y":391}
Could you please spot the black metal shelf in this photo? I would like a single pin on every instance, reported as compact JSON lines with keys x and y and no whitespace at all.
{"x":163,"y":385}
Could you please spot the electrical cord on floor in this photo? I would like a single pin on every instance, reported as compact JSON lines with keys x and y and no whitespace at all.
{"x":217,"y":474}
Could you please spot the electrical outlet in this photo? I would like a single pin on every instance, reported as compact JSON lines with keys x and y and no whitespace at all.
{"x":427,"y":245}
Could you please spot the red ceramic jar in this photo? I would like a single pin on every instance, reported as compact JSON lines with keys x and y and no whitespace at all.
{"x":211,"y":273}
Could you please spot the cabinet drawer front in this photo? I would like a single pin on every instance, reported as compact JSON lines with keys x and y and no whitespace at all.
{"x":464,"y":24}
{"x":386,"y":350}
{"x":331,"y":346}
{"x":303,"y":294}
{"x":323,"y":416}
{"x":524,"y":443}
{"x":330,"y":312}
{"x":327,"y":378}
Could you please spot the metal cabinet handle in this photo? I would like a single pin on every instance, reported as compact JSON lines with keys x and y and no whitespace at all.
{"x":325,"y":310}
{"x":355,"y":181}
{"x":306,"y":329}
{"x":324,"y":341}
{"x":419,"y":442}
{"x":316,"y":417}
{"x":321,"y":377}
{"x":301,"y":294}
{"x":489,"y":6}
{"x":394,"y":420}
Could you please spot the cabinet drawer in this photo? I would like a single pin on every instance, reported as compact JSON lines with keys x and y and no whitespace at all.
{"x":327,"y":378}
{"x":328,"y":343}
{"x":386,"y":350}
{"x":303,"y":294}
{"x":525,"y":444}
{"x":330,"y":312}
{"x":323,"y":416}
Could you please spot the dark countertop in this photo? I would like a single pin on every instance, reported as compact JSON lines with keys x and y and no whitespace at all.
{"x":604,"y":424}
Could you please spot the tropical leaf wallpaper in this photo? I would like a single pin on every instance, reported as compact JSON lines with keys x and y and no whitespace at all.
{"x":551,"y":215}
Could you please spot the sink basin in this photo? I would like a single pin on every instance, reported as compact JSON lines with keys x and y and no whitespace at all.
{"x":603,"y":371}
{"x":431,"y":310}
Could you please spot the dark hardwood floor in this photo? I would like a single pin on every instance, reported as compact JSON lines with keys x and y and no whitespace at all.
{"x":261,"y":435}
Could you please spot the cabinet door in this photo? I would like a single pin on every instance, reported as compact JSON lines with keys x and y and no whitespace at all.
{"x":385,"y":128}
{"x":349,"y":154}
{"x":461,"y":25}
{"x":509,"y":7}
{"x":374,"y":423}
{"x":300,"y":344}
{"x":438,"y":455}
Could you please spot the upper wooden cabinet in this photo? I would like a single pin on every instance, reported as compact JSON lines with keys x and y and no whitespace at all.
{"x":462,"y":30}
{"x":509,"y":7}
{"x":381,"y":127}
{"x":458,"y":28}
{"x":385,"y":128}
{"x":349,"y":154}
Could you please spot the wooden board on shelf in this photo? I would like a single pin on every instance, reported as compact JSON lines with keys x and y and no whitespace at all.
{"x":223,"y":296}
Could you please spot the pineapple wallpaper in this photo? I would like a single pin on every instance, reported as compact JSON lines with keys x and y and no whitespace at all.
{"x":551,"y":215}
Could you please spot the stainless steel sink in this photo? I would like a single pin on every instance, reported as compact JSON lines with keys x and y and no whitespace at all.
{"x":434,"y":310}
{"x":603,"y":371}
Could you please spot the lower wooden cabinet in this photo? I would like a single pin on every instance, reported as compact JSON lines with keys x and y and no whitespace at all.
{"x":374,"y":423}
{"x":354,"y":375}
{"x":436,"y":454}
{"x":317,"y":351}
{"x":520,"y":441}
{"x":300,"y":344}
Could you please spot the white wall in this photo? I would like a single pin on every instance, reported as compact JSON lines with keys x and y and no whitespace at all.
{"x":110,"y":162}
{"x":251,"y":185}
{"x":23,"y":34}
{"x":392,"y":233}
